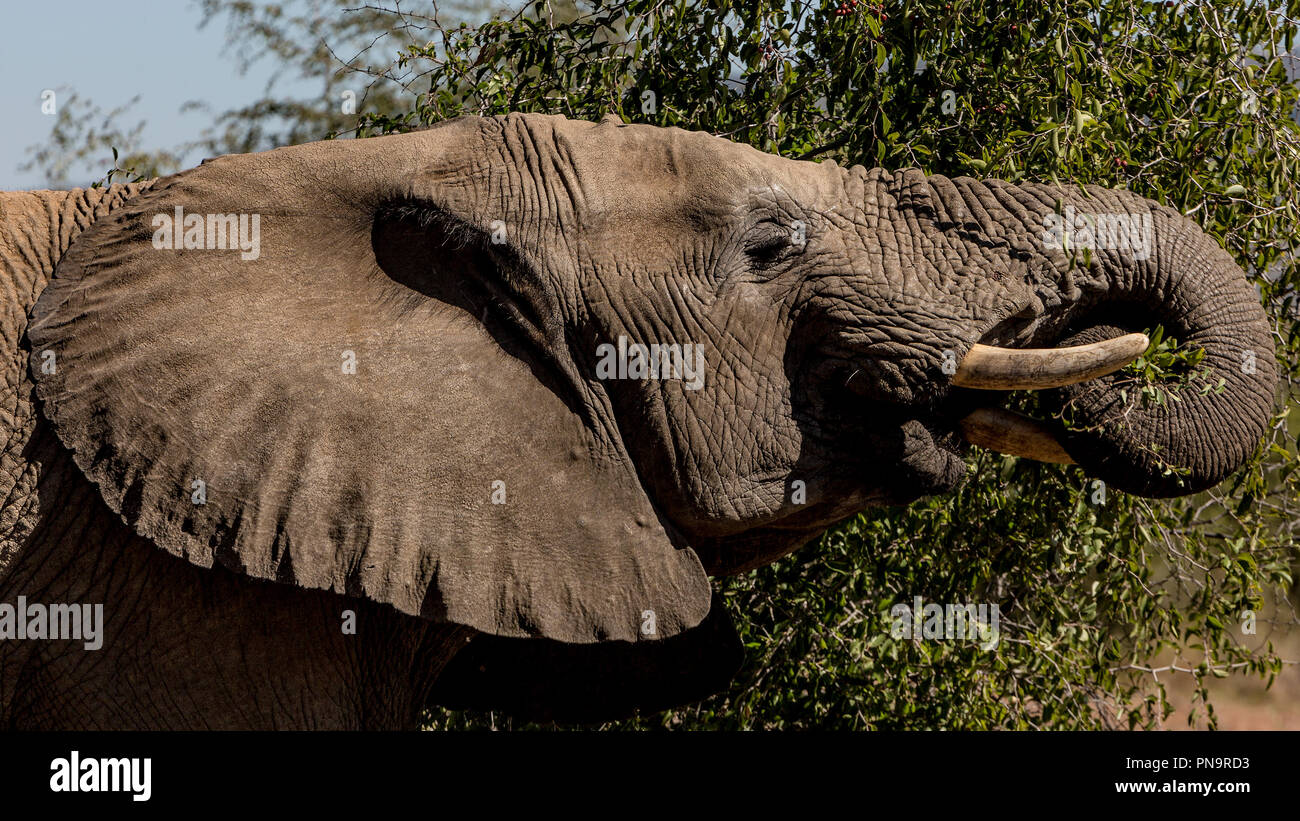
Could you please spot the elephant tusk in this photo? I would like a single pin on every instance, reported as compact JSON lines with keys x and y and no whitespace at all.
{"x":1013,"y":433}
{"x":1010,"y":369}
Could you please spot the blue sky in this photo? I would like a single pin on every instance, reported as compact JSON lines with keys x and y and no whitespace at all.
{"x":108,"y":52}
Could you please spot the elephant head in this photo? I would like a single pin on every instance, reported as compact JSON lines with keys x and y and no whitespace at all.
{"x":540,"y":377}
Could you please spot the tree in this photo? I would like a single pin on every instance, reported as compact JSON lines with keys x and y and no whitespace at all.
{"x":330,"y":43}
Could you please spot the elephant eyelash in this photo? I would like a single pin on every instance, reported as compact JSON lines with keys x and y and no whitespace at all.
{"x":768,"y":246}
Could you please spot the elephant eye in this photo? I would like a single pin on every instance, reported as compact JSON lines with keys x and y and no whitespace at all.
{"x":768,"y":241}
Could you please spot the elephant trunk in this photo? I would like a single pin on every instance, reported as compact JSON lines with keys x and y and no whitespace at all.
{"x":1194,"y":432}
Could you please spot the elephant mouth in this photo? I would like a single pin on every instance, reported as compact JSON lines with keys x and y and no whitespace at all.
{"x":992,"y":368}
{"x":926,"y":442}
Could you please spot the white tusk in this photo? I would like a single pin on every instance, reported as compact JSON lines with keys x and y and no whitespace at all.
{"x":1012,"y":369}
{"x":1013,"y":433}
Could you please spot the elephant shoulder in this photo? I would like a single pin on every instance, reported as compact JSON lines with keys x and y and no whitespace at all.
{"x":36,"y":229}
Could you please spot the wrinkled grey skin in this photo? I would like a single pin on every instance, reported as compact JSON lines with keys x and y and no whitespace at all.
{"x":472,"y":270}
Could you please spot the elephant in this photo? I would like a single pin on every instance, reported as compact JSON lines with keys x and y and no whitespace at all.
{"x":470,"y":416}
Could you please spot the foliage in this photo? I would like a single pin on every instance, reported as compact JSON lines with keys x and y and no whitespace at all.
{"x":1166,"y":367}
{"x":1102,"y":595}
{"x":306,"y":39}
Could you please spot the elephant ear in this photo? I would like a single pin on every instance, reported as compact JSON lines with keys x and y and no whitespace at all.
{"x":372,"y":398}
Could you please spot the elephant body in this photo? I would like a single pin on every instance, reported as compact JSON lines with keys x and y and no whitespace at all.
{"x":475,"y":514}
